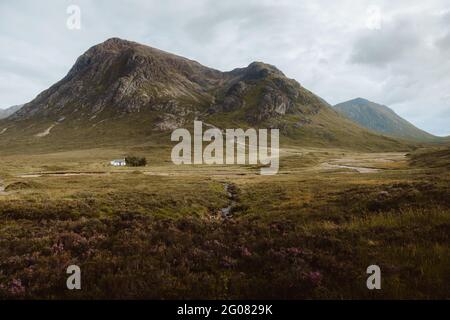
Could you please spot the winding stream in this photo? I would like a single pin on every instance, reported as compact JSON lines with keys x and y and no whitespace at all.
{"x":342,"y":166}
{"x":231,"y":190}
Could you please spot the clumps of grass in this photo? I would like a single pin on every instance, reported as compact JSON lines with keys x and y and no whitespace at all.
{"x":21,"y":185}
{"x":431,"y":157}
{"x":54,"y":168}
{"x":134,"y":161}
{"x":293,"y":236}
{"x":149,"y":257}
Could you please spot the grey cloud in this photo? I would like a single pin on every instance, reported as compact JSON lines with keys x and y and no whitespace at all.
{"x":444,"y":43}
{"x":381,"y":47}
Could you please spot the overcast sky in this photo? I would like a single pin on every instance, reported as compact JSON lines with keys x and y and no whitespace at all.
{"x":395,"y":53}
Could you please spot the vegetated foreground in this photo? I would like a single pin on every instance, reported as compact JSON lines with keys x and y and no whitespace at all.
{"x":160,"y":232}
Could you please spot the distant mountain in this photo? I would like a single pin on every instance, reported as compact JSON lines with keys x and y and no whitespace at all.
{"x":382,"y":119}
{"x":121,"y":92}
{"x":4,"y":113}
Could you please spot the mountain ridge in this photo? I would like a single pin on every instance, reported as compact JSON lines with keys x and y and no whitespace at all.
{"x":382,"y":119}
{"x":121,"y":92}
{"x":5,"y":113}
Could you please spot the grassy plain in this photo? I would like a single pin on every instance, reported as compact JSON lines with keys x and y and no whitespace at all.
{"x":158,"y":232}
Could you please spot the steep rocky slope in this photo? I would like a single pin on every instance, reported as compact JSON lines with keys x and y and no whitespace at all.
{"x":121,"y":92}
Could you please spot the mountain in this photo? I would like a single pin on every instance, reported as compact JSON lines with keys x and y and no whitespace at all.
{"x":382,"y":119}
{"x":120,"y":92}
{"x":5,"y":113}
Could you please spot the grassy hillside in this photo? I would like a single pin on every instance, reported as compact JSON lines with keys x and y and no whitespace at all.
{"x":324,"y":129}
{"x":438,"y":157}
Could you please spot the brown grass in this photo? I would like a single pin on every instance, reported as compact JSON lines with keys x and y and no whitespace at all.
{"x":156,"y":232}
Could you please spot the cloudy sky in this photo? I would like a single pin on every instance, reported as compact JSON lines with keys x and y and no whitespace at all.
{"x":392,"y":52}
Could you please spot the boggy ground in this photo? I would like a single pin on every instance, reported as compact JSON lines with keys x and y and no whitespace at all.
{"x":159,"y":232}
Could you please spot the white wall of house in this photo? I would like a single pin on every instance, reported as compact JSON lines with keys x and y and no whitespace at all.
{"x":118,"y":163}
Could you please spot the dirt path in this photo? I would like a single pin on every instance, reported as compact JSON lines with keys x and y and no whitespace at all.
{"x":46,"y":132}
{"x":167,"y":173}
{"x":61,"y":174}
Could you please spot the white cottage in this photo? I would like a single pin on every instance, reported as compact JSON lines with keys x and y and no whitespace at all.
{"x":118,"y":163}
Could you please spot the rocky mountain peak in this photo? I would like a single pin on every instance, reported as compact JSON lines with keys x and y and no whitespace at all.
{"x":123,"y":76}
{"x":115,"y":44}
{"x":257,"y":70}
{"x":360,"y":100}
{"x":263,"y":69}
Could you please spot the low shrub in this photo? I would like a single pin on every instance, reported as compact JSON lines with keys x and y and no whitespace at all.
{"x":133,"y":161}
